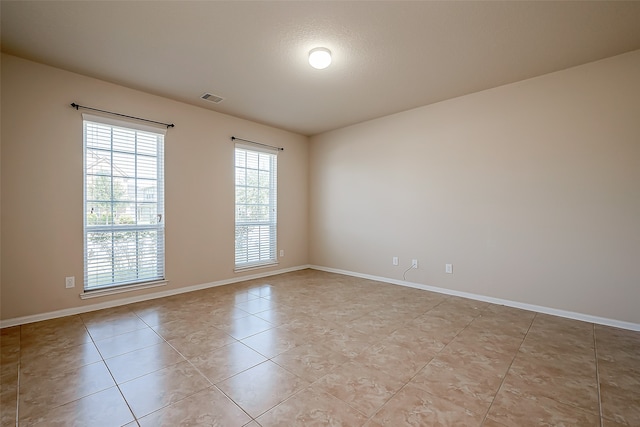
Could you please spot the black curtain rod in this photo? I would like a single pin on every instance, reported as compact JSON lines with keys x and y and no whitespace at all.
{"x":76,"y":106}
{"x":233,"y":138}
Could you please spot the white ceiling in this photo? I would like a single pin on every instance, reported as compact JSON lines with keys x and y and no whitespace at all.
{"x":388,"y":56}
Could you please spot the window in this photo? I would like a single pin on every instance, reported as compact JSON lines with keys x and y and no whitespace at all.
{"x":256,"y":212}
{"x":123,"y":203}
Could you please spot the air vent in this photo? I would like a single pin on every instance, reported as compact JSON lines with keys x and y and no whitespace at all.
{"x":212,"y":98}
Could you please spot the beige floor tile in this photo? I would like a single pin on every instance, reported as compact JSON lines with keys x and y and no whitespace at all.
{"x":260,"y":388}
{"x":244,"y":327}
{"x":141,"y":362}
{"x":561,"y":333}
{"x":272,"y":342}
{"x":182,"y":327}
{"x":519,"y":409}
{"x":619,"y":346}
{"x":161,"y":388}
{"x":101,"y":329}
{"x":488,"y":422}
{"x":619,"y":374}
{"x":338,"y":313}
{"x":611,"y":423}
{"x":551,"y":347}
{"x":469,"y":384}
{"x":8,"y":404}
{"x":362,"y":387}
{"x":223,"y":314}
{"x":41,"y":337}
{"x":620,"y":404}
{"x":374,"y":326}
{"x":130,"y":341}
{"x":279,"y":316}
{"x":310,"y":361}
{"x":256,"y":305}
{"x":416,"y":341}
{"x":443,"y":330}
{"x":60,"y":359}
{"x":310,"y":329}
{"x":9,"y":345}
{"x":493,"y":346}
{"x":312,"y":407}
{"x":207,"y":407}
{"x":512,"y":325}
{"x":347,"y":342}
{"x":227,"y":361}
{"x":372,"y":423}
{"x":243,"y":296}
{"x":200,"y":342}
{"x":457,"y":311}
{"x":413,"y":406}
{"x":393,"y":359}
{"x":154,"y":313}
{"x":107,"y":315}
{"x":105,"y":408}
{"x":9,"y":374}
{"x":555,"y":382}
{"x":39,"y":394}
{"x":263,"y":291}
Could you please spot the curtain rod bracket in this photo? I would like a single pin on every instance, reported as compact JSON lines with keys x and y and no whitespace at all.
{"x":77,"y":106}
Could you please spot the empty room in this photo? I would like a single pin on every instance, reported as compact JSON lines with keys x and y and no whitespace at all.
{"x":320,"y":213}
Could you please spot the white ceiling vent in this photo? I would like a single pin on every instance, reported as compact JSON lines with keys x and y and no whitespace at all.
{"x":212,"y":98}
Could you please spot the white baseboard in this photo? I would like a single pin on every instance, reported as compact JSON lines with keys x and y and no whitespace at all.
{"x":537,"y":308}
{"x":123,"y":301}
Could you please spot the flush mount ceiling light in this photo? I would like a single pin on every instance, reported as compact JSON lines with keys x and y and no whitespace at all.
{"x":320,"y":58}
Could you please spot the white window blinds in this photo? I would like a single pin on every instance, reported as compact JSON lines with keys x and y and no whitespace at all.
{"x":123,"y":203}
{"x":256,"y":210}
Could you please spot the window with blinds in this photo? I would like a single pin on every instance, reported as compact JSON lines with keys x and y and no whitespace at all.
{"x":123,"y":203}
{"x":256,"y":211}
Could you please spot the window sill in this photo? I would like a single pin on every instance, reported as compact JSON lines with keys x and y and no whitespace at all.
{"x":121,"y":289}
{"x":254,"y":267}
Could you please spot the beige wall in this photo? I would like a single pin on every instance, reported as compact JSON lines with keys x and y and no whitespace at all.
{"x":42,"y":186}
{"x":531,"y":190}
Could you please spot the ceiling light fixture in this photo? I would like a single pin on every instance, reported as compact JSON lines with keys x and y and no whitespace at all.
{"x":320,"y":58}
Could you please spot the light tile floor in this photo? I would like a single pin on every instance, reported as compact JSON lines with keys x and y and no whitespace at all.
{"x":313,"y":348}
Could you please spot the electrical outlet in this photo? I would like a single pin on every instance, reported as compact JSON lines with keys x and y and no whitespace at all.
{"x":395,"y":260}
{"x":281,"y":253}
{"x":448,"y":268}
{"x":414,"y":263}
{"x":70,"y":282}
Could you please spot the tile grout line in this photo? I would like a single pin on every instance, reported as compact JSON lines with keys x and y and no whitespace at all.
{"x":18,"y":393}
{"x":18,"y":382}
{"x":595,"y":352}
{"x":93,"y":341}
{"x":508,"y":369}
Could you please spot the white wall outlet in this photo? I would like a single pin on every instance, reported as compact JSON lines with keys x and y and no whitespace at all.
{"x":395,"y":260}
{"x":414,"y":263}
{"x":70,"y":282}
{"x":281,"y":253}
{"x":448,"y":268}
